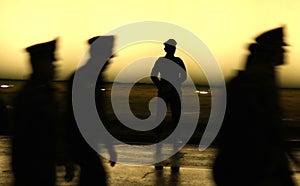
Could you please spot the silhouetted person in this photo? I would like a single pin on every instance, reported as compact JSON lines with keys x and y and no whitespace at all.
{"x":34,"y":131}
{"x":252,"y":150}
{"x":166,"y":69}
{"x":4,"y":125}
{"x":92,"y":171}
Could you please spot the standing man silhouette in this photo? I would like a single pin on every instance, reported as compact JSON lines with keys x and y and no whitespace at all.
{"x":168,"y":74}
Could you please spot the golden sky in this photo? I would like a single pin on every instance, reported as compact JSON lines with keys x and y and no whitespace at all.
{"x":226,"y":27}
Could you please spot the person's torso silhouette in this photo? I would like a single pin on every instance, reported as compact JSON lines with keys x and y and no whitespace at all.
{"x":34,"y":131}
{"x":168,"y":73}
{"x":251,"y":147}
{"x":92,"y":171}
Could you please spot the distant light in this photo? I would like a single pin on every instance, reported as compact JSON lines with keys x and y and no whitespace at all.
{"x":103,"y":89}
{"x":4,"y":86}
{"x":201,"y":92}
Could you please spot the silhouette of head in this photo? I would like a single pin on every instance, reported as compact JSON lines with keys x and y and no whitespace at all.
{"x":272,"y":38}
{"x":170,"y":46}
{"x":101,"y":47}
{"x":268,"y":49}
{"x":42,"y":56}
{"x":91,"y":40}
{"x":99,"y":44}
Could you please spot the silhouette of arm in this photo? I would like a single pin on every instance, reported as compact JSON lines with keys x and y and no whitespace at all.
{"x":154,"y":74}
{"x":182,"y":75}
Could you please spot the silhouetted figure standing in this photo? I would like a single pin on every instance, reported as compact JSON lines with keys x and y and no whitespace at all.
{"x":252,"y":150}
{"x":92,"y":171}
{"x":166,"y":69}
{"x":4,"y":124}
{"x":34,"y":131}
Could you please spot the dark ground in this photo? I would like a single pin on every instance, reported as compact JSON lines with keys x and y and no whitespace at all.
{"x":196,"y":165}
{"x":139,"y":98}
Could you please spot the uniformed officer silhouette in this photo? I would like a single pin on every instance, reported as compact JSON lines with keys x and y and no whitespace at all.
{"x":252,"y":151}
{"x":35,"y":117}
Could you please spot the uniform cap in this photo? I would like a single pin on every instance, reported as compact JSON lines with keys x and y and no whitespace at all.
{"x":272,"y":37}
{"x":109,"y":39}
{"x":42,"y":50}
{"x":91,"y":40}
{"x":171,"y":42}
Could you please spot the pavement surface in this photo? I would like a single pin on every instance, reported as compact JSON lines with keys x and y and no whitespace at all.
{"x":195,"y":169}
{"x":122,"y":175}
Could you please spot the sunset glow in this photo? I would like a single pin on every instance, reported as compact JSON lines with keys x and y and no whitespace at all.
{"x":226,"y":27}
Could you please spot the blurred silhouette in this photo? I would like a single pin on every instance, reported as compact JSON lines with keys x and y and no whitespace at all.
{"x":166,"y":69}
{"x":35,"y":117}
{"x":252,"y":150}
{"x":4,"y":125}
{"x":92,"y":171}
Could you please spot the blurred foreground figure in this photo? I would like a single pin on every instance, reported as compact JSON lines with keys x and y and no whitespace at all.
{"x":92,"y":171}
{"x":252,"y":149}
{"x":34,"y":131}
{"x":4,"y":123}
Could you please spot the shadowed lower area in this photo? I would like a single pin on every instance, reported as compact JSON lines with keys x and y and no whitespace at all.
{"x":195,"y":165}
{"x":195,"y":170}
